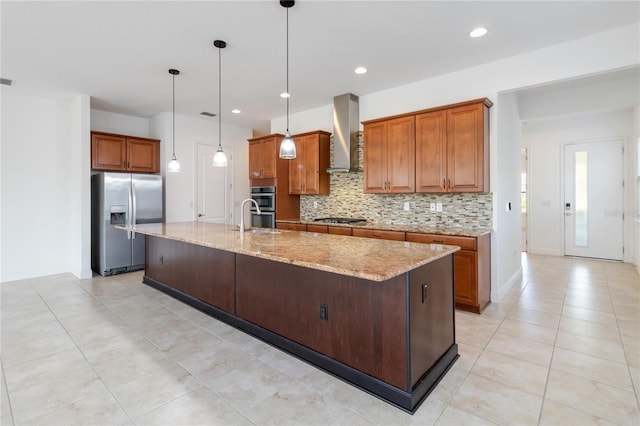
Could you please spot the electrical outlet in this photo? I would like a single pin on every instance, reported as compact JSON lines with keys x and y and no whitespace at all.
{"x":438,"y":207}
{"x":315,"y":204}
{"x":324,"y":312}
{"x":406,"y":206}
{"x":432,"y":207}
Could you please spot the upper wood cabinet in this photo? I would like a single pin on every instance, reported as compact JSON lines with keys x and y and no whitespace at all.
{"x":447,"y":147}
{"x":112,"y":152}
{"x":308,"y":171}
{"x":263,"y":155}
{"x":452,"y":149}
{"x":389,"y":156}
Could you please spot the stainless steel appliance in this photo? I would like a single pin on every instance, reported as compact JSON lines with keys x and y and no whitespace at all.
{"x":122,"y":199}
{"x":265,"y":196}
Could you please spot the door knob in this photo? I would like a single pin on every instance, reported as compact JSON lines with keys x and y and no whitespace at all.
{"x":568,"y":214}
{"x":200,"y":215}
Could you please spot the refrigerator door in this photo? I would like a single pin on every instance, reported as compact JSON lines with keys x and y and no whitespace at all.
{"x":116,"y":247}
{"x":146,"y":208}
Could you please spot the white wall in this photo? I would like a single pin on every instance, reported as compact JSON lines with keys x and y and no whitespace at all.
{"x":508,"y":270}
{"x":635,"y":167}
{"x":545,"y":140}
{"x":40,"y":189}
{"x":103,"y":121}
{"x":180,"y":187}
{"x":599,"y":53}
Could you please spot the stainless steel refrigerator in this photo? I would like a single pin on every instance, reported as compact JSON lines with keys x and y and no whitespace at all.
{"x":122,"y":199}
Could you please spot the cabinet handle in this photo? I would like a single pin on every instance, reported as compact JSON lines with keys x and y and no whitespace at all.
{"x":449,"y":183}
{"x":425,"y":292}
{"x":438,"y":241}
{"x":444,"y":183}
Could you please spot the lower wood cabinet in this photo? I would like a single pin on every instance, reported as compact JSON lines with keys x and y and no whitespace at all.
{"x":201,"y":272}
{"x":378,"y":233}
{"x":291,"y":226}
{"x":472,"y":265}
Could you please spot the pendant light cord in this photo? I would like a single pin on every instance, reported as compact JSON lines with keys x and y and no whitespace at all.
{"x":174,"y":115}
{"x":288,"y":94}
{"x":220,"y":98}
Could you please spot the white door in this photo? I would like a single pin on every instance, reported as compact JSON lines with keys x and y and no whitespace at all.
{"x":593,"y":199}
{"x":213,"y":186}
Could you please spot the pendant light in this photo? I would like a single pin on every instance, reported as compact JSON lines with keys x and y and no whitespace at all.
{"x":219,"y":159}
{"x":174,"y":166}
{"x":287,"y":146}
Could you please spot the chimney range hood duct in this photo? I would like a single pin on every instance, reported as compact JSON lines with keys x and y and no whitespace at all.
{"x":346,"y":121}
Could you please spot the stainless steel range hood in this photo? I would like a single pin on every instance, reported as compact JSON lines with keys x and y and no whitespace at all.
{"x":346,"y":121}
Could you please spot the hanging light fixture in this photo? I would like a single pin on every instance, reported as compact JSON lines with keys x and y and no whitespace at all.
{"x":287,"y":146}
{"x":219,"y":159}
{"x":174,"y":166}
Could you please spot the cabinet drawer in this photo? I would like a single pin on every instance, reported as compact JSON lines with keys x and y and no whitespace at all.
{"x":377,"y":233}
{"x":291,"y":226}
{"x":339,"y":230}
{"x":468,"y":243}
{"x":320,"y":229}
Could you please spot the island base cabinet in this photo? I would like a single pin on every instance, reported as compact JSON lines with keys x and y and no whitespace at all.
{"x":357,"y":322}
{"x":201,"y":272}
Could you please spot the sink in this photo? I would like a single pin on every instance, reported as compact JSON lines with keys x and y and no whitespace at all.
{"x":263,"y":232}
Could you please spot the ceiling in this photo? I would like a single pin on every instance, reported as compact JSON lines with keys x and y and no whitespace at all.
{"x":119,"y":52}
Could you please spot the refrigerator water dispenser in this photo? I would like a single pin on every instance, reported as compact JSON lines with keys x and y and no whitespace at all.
{"x":118,"y":215}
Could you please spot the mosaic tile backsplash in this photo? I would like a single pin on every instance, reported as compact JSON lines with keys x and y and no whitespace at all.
{"x":347,"y":199}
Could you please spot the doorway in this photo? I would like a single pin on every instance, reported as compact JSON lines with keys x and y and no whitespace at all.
{"x":593,"y":199}
{"x":214,"y":188}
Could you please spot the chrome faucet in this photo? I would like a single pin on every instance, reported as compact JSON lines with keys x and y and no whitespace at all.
{"x":242,"y":211}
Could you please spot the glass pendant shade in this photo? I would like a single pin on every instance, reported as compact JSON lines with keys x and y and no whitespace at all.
{"x":220,"y":159}
{"x":287,"y":147}
{"x":174,"y":165}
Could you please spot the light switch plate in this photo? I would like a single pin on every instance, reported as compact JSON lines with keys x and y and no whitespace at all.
{"x":406,"y":206}
{"x":438,"y":207}
{"x":432,"y":207}
{"x":315,"y":204}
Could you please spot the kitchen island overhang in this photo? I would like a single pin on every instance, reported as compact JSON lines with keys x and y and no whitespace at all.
{"x":377,"y":314}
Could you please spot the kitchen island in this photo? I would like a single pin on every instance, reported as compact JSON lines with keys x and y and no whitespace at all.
{"x":378,"y":314}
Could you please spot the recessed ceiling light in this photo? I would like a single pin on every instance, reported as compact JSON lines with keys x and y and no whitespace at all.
{"x":285,"y":95}
{"x":478,"y":32}
{"x":360,"y":70}
{"x":235,"y":111}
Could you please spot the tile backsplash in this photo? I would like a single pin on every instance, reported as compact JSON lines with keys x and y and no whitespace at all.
{"x":347,"y":199}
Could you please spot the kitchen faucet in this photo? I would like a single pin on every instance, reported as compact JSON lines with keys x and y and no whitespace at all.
{"x":242,"y":212}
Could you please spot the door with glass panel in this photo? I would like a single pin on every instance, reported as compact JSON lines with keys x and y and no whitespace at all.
{"x":593,"y":199}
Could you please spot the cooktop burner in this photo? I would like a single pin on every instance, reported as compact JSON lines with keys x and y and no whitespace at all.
{"x":340,"y":220}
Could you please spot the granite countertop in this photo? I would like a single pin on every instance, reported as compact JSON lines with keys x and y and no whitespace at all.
{"x":371,"y":259}
{"x":438,"y":230}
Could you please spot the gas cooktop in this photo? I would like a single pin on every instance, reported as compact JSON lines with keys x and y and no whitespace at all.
{"x":340,"y":220}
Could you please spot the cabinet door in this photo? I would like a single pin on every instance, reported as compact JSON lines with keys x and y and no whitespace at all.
{"x":431,"y":152}
{"x":311,"y":161}
{"x":466,"y":277}
{"x":255,"y":159}
{"x":375,"y":157}
{"x":320,"y":229}
{"x":291,"y":226}
{"x":143,"y":155}
{"x":465,"y":146}
{"x":377,"y":233}
{"x":108,"y":152}
{"x":269,"y":153}
{"x":296,"y":169}
{"x":401,"y":148}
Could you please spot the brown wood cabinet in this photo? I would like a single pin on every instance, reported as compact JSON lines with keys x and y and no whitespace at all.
{"x":121,"y":153}
{"x":204,"y":273}
{"x":263,"y":156}
{"x":452,"y":150}
{"x":472,"y":265}
{"x":291,"y":226}
{"x":339,"y":230}
{"x":308,"y":171}
{"x":378,"y":233}
{"x":389,"y":156}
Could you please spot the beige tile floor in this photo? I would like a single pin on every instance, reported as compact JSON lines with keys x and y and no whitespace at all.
{"x":563,"y":348}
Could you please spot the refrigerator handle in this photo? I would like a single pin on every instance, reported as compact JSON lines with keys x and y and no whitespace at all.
{"x":129,"y":213}
{"x":134,"y":209}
